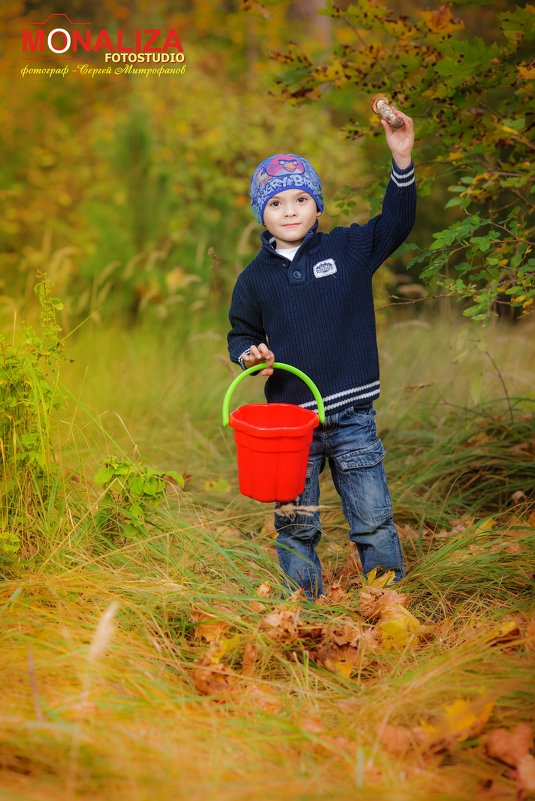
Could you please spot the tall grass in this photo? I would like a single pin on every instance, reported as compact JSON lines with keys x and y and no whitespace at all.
{"x":101,"y":633}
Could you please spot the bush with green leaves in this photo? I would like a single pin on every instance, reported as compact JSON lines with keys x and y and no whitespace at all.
{"x":29,"y":393}
{"x":132,"y":492}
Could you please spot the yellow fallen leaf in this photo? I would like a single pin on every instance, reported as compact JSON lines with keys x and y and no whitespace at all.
{"x":344,"y":668}
{"x":227,"y":644}
{"x":484,"y":526}
{"x":382,"y":580}
{"x":399,"y":628}
{"x":463,"y":718}
{"x":503,"y":631}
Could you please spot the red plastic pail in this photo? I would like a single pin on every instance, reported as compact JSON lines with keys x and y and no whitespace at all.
{"x":272,"y":441}
{"x":272,"y":444}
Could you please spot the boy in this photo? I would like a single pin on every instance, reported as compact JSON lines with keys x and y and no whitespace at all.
{"x":306,"y":300}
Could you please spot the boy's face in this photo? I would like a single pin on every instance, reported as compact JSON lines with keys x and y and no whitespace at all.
{"x":289,"y":215}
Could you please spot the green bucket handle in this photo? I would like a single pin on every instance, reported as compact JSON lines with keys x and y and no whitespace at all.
{"x":280,"y":366}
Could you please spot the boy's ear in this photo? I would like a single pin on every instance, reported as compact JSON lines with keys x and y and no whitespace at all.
{"x":318,"y":213}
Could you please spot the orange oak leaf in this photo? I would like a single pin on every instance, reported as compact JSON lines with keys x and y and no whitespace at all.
{"x":374,"y":600}
{"x":209,"y":625}
{"x":342,"y":659}
{"x":250,"y":658}
{"x":212,"y":677}
{"x":263,"y":698}
{"x":282,"y":625}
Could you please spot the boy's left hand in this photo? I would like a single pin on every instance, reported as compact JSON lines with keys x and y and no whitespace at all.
{"x":400,"y":140}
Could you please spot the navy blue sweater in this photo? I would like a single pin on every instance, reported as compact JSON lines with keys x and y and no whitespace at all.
{"x":316,"y":312}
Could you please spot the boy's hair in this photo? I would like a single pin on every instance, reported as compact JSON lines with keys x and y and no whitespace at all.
{"x":278,"y":173}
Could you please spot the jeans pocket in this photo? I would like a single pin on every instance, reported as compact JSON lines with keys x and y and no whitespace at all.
{"x":362,"y":484}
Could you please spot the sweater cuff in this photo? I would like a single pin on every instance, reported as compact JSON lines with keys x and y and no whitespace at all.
{"x":240,"y":360}
{"x":402,"y":178}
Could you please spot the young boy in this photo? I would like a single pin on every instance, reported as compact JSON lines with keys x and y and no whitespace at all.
{"x":306,"y":300}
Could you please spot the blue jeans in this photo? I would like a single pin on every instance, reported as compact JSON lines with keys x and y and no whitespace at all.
{"x":349,"y":441}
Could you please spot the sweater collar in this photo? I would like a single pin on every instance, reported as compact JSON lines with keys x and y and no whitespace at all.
{"x":267,"y":239}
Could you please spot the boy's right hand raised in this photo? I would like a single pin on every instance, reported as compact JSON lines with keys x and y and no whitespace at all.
{"x":258,"y":354}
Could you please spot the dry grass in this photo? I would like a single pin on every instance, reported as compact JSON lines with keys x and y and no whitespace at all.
{"x":101,"y":637}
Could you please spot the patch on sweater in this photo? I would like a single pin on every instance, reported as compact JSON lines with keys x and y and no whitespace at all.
{"x":323,"y":268}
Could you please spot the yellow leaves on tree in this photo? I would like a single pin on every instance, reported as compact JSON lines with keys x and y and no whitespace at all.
{"x":441,"y":20}
{"x":527,"y":71}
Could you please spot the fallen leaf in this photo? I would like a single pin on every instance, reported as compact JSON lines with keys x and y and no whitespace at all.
{"x":507,"y":630}
{"x":344,"y":667}
{"x":209,"y":626}
{"x":374,"y":600}
{"x":463,"y":718}
{"x":334,"y":595}
{"x":398,"y":627}
{"x":508,"y":746}
{"x":250,"y":658}
{"x":530,"y":634}
{"x":342,"y":659}
{"x":519,"y":496}
{"x":526,"y":773}
{"x":282,"y":625}
{"x":263,"y":698}
{"x":344,"y":633}
{"x":212,"y":677}
{"x":265,"y":590}
{"x":227,"y":644}
{"x":400,"y":740}
{"x":312,"y":724}
{"x":372,"y":579}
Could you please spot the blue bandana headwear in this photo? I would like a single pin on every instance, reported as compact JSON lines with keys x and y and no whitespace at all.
{"x":278,"y":173}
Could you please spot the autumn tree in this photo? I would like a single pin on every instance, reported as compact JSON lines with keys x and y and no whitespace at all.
{"x":471,"y":96}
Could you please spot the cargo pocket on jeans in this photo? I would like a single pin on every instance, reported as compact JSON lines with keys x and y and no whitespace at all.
{"x":363,"y":485}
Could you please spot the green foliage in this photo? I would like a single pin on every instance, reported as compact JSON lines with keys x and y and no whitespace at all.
{"x":133,"y":194}
{"x":131,"y":494}
{"x":28,"y":395}
{"x":472,"y":101}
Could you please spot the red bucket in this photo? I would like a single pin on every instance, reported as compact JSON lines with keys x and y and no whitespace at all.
{"x":272,"y":442}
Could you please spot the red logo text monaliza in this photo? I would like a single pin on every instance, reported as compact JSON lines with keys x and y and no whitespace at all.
{"x":61,"y":40}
